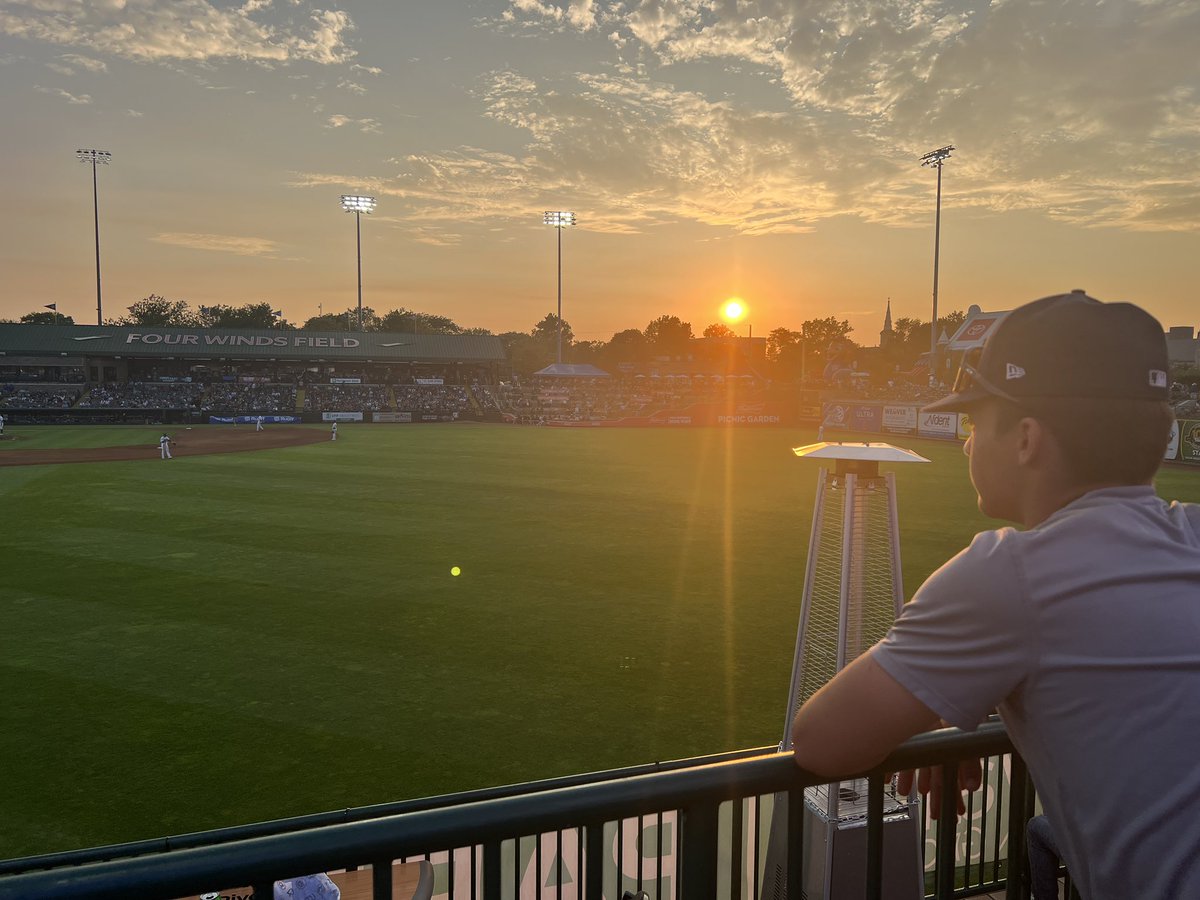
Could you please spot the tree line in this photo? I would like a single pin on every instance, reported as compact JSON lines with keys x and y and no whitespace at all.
{"x":791,"y":354}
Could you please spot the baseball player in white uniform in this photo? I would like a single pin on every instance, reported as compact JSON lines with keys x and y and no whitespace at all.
{"x":164,"y":446}
{"x":258,"y":424}
{"x":333,"y":432}
{"x":1,"y":426}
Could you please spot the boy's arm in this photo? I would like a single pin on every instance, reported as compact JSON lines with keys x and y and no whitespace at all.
{"x":856,"y":720}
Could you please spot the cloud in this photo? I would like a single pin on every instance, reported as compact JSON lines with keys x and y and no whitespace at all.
{"x":353,"y":87}
{"x":189,"y":30}
{"x":83,"y":62}
{"x":366,"y":126}
{"x":1043,"y":117}
{"x":633,"y":154}
{"x":73,"y":99}
{"x":133,"y":114}
{"x":222,"y":243}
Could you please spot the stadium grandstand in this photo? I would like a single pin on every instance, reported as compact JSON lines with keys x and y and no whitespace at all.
{"x":88,"y":373}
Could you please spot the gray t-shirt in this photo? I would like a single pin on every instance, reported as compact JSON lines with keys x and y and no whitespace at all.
{"x":1085,"y":632}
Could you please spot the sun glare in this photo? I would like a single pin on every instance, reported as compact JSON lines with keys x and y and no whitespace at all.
{"x":734,"y":310}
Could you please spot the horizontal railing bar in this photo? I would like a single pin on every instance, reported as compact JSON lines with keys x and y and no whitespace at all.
{"x":350,"y":814}
{"x":269,"y":858}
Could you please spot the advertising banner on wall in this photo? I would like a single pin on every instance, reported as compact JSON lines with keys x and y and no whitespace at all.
{"x":429,"y":380}
{"x":391,"y":417}
{"x":837,"y":415}
{"x":1189,"y":440}
{"x":345,"y":380}
{"x":939,"y":425}
{"x":900,"y":419}
{"x":341,"y":417}
{"x":864,"y":417}
{"x":1173,"y":442}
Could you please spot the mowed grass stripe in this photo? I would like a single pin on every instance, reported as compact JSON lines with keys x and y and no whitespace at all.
{"x":244,"y":636}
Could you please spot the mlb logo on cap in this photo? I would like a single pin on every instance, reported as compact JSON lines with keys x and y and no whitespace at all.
{"x":1158,"y":378}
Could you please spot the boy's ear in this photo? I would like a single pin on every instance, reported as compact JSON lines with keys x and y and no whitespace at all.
{"x":1033,"y":441}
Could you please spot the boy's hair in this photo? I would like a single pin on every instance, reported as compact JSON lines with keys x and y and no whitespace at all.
{"x":1102,"y":441}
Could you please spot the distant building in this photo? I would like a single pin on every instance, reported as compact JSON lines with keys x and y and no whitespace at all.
{"x":887,"y":334}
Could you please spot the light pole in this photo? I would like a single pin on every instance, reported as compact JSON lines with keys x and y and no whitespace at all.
{"x":559,"y":220}
{"x":358,"y":205}
{"x":103,"y":158}
{"x":934,"y":159}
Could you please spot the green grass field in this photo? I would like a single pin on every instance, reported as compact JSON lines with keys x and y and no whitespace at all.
{"x":239,"y":637}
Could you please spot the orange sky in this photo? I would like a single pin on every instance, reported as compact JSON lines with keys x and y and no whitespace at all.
{"x":770,"y":155}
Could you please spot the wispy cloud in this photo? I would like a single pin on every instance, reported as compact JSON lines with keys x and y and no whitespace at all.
{"x":1043,"y":118}
{"x":85,"y":63}
{"x":133,"y":114}
{"x":366,"y":126}
{"x":222,"y":243}
{"x":74,"y":99}
{"x":191,"y":30}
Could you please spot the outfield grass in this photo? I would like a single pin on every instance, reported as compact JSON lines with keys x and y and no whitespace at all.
{"x":48,"y":438}
{"x":240,"y":637}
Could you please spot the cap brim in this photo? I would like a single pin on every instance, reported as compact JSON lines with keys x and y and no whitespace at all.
{"x":958,"y":402}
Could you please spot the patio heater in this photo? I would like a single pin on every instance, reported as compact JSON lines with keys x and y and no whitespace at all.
{"x":853,"y":591}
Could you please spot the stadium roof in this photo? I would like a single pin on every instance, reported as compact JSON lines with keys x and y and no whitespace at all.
{"x":231,"y":343}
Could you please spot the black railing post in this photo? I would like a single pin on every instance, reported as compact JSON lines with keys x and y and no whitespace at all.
{"x":875,"y":838}
{"x":698,"y":843}
{"x":491,"y":869}
{"x":381,"y":879}
{"x":594,"y":862}
{"x":947,"y":830}
{"x":795,"y":853}
{"x":1017,"y":814}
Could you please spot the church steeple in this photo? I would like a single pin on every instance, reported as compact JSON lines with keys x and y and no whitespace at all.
{"x":887,"y":334}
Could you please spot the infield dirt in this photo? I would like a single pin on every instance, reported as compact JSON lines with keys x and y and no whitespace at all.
{"x":201,"y":442}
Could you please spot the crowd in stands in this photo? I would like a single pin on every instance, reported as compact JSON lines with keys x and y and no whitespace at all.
{"x":27,"y":396}
{"x":592,"y":399}
{"x":447,"y":399}
{"x":347,"y":398}
{"x":231,"y":397}
{"x":487,"y":396}
{"x":893,"y":391}
{"x":142,"y":395}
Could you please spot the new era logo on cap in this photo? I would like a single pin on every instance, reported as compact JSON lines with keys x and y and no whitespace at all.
{"x":1158,"y":378}
{"x":1011,"y":371}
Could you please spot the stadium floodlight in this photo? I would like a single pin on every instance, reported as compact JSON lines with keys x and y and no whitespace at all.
{"x":96,"y":158}
{"x":358,"y":204}
{"x":560,"y":220}
{"x":934,"y":159}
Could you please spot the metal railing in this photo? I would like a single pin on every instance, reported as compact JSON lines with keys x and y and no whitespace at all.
{"x":578,"y":822}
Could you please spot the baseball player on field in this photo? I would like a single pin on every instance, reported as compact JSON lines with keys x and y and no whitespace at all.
{"x":164,"y":446}
{"x":258,"y":424}
{"x":333,"y":432}
{"x":1,"y":426}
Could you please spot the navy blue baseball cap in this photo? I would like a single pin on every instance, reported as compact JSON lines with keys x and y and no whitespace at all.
{"x":1069,"y":346}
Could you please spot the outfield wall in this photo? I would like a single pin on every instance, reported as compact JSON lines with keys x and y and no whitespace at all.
{"x":892,"y":418}
{"x":739,"y":414}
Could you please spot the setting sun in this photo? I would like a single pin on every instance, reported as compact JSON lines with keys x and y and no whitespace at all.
{"x":734,"y":310}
